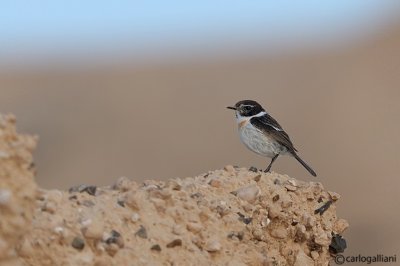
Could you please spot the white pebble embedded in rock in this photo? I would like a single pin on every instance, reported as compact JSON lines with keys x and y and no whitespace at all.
{"x":213,"y":246}
{"x":5,"y":196}
{"x":135,"y":217}
{"x":248,"y":193}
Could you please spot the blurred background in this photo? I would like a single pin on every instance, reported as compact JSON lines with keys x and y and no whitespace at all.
{"x":139,"y":89}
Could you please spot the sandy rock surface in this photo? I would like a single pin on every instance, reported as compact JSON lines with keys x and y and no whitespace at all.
{"x":186,"y":221}
{"x":17,"y":187}
{"x":230,"y":216}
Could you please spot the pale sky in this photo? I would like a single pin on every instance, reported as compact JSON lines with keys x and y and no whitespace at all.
{"x":34,"y":30}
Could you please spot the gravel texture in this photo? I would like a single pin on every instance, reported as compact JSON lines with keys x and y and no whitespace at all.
{"x":230,"y":216}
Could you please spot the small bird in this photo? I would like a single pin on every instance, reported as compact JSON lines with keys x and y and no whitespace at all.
{"x":262,"y":134}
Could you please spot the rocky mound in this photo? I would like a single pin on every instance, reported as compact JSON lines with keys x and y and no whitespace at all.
{"x":231,"y":216}
{"x":17,"y":187}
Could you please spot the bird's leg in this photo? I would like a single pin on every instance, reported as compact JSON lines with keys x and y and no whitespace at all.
{"x":270,"y":164}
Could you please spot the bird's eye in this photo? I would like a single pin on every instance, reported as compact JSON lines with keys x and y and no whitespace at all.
{"x":247,"y":108}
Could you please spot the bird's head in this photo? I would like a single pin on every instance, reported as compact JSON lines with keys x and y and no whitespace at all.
{"x":247,"y":108}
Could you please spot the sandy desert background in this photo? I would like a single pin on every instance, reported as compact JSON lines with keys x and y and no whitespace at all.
{"x":159,"y":120}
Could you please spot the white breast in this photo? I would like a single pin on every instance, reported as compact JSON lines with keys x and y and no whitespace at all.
{"x":256,"y":141}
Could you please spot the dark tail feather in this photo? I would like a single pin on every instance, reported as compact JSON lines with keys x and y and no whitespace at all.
{"x":303,"y":163}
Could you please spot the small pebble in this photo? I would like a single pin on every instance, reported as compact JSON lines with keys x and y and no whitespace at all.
{"x":229,"y":169}
{"x":91,"y":190}
{"x":5,"y":196}
{"x":86,"y":222}
{"x":115,"y":233}
{"x":323,"y":208}
{"x":314,"y":255}
{"x":163,"y":194}
{"x":340,"y":226}
{"x":123,"y":184}
{"x":135,"y":217}
{"x":4,"y":155}
{"x":87,"y":203}
{"x":198,"y":242}
{"x":78,"y":243}
{"x":215,"y":183}
{"x":248,"y":207}
{"x":178,"y":229}
{"x":132,"y":200}
{"x":78,"y":188}
{"x":290,"y":188}
{"x":316,"y":188}
{"x":273,"y":212}
{"x":59,"y":231}
{"x":257,"y":178}
{"x":238,"y":235}
{"x":213,"y":246}
{"x":338,"y":244}
{"x":275,"y":198}
{"x":93,"y":231}
{"x":334,"y":196}
{"x":308,"y":220}
{"x":73,"y":197}
{"x":265,"y":222}
{"x":280,"y":233}
{"x":112,"y":249}
{"x":301,"y":233}
{"x":115,"y":238}
{"x":314,"y":246}
{"x":142,"y":232}
{"x":303,"y":260}
{"x":156,"y":247}
{"x":248,"y":193}
{"x":292,"y":182}
{"x":258,"y":234}
{"x":197,"y":195}
{"x":174,"y":243}
{"x":49,"y":207}
{"x":174,"y":185}
{"x":25,"y":249}
{"x":121,"y":203}
{"x":322,"y":238}
{"x":194,"y":227}
{"x":286,"y":203}
{"x":244,"y":219}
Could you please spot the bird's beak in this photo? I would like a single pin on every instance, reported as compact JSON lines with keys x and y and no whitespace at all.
{"x":230,"y":107}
